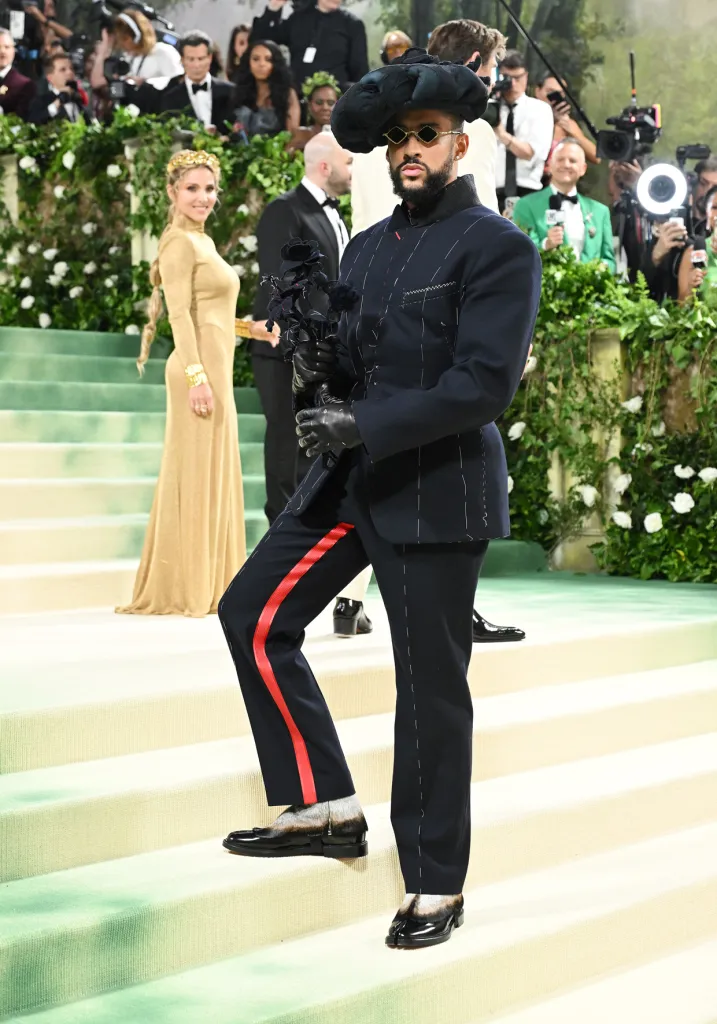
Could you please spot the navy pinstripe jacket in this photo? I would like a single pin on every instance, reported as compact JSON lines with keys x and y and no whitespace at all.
{"x":430,"y":357}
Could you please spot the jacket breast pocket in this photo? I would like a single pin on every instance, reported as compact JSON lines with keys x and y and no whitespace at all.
{"x":429,"y":293}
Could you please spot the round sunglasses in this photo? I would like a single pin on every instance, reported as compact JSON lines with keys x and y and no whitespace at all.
{"x":425,"y":134}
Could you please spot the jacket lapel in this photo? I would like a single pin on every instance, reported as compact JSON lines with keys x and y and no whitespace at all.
{"x":318,"y":223}
{"x":590,"y":245}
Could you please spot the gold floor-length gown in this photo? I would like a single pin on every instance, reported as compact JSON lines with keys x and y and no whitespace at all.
{"x":195,"y":542}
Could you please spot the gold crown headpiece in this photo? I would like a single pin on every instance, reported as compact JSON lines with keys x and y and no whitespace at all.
{"x":189,"y":158}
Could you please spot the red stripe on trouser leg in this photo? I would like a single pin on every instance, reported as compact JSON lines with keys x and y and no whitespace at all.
{"x":306,"y":775}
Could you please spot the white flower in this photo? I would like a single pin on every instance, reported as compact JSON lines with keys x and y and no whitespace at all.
{"x":659,"y":430}
{"x":255,"y":267}
{"x":647,"y":448}
{"x":49,"y":254}
{"x":131,"y":329}
{"x":622,"y":519}
{"x":89,"y":268}
{"x":543,"y":516}
{"x":530,"y":365}
{"x":128,"y":187}
{"x":44,"y":320}
{"x":653,"y":522}
{"x":683,"y":503}
{"x":588,"y":493}
{"x":28,"y":302}
{"x":684,"y":472}
{"x":243,"y":210}
{"x":114,"y":249}
{"x":708,"y":475}
{"x":27,"y":163}
{"x":33,"y":249}
{"x":4,"y":277}
{"x":53,"y":280}
{"x":633,"y":404}
{"x":109,"y":283}
{"x":60,"y":269}
{"x":622,"y":483}
{"x":238,"y":269}
{"x":516,"y":431}
{"x":16,"y":129}
{"x":13,"y":258}
{"x":68,"y":161}
{"x":132,"y":109}
{"x":89,"y":228}
{"x":113,"y":170}
{"x":26,"y":283}
{"x":510,"y":484}
{"x":249,"y":242}
{"x":76,"y":291}
{"x":59,"y":191}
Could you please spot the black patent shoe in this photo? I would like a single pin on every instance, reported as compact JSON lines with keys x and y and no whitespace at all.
{"x":333,"y":842}
{"x":414,"y":932}
{"x":350,"y":619}
{"x":485,"y":632}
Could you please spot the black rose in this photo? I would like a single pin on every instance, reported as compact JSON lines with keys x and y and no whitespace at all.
{"x":297,"y":251}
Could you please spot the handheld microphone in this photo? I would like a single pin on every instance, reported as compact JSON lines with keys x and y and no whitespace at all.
{"x":699,"y":251}
{"x":554,"y":216}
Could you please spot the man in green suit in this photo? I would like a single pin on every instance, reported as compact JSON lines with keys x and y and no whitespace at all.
{"x":582,"y":223}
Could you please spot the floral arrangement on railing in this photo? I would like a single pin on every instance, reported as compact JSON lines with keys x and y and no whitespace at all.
{"x":67,"y":264}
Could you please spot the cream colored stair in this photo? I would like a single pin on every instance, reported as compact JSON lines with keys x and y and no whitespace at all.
{"x":524,"y":939}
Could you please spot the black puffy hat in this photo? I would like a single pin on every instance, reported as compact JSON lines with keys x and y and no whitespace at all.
{"x":413,"y":81}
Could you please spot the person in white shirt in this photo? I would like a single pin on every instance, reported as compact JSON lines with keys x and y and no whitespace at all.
{"x":463,"y":40}
{"x":57,"y":97}
{"x":135,"y":37}
{"x":524,"y":133}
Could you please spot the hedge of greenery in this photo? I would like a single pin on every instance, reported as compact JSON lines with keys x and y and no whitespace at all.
{"x":67,"y":264}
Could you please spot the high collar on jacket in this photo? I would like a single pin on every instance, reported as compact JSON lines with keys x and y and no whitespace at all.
{"x":454,"y":198}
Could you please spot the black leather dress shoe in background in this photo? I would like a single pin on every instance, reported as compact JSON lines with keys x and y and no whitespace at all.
{"x":485,"y":632}
{"x":281,"y":842}
{"x":350,"y":619}
{"x":414,"y":932}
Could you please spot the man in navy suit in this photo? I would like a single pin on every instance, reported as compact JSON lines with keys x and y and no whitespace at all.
{"x":412,"y":479}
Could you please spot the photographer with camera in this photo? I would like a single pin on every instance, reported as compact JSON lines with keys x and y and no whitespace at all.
{"x":705,"y":180}
{"x":57,"y":98}
{"x":524,"y":132}
{"x":16,"y":91}
{"x":549,"y":90}
{"x":698,"y":270}
{"x":143,"y":57}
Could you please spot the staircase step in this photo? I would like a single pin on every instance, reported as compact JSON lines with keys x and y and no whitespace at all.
{"x":189,"y":793}
{"x":91,"y":538}
{"x":49,"y":366}
{"x":29,"y":588}
{"x":102,"y":427}
{"x":28,"y":499}
{"x":25,"y":340}
{"x":82,"y":459}
{"x":678,"y":988}
{"x":80,"y":396}
{"x":524,"y":939}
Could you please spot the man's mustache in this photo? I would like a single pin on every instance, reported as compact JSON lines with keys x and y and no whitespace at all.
{"x":408,"y":162}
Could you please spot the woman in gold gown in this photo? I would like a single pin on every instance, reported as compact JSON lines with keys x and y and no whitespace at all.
{"x":195,"y":542}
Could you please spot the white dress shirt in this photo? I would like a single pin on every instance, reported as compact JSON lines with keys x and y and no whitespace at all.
{"x":72,"y":110}
{"x":573,"y":225}
{"x":333,"y":216}
{"x":201,"y":101}
{"x":372,"y":195}
{"x":532,"y":123}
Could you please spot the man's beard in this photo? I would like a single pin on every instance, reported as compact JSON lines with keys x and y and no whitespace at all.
{"x":433,"y":184}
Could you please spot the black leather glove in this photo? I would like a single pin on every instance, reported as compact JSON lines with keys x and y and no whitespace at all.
{"x":314,"y":362}
{"x":321,"y":430}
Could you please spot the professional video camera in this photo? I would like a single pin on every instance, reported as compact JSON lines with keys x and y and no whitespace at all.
{"x":492,"y":110}
{"x":636,"y":129}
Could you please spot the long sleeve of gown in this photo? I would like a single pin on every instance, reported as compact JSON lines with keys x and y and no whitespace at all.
{"x":176,"y":267}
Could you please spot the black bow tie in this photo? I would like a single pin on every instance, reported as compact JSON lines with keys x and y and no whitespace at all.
{"x":204,"y":87}
{"x":570,"y":199}
{"x":333,"y":203}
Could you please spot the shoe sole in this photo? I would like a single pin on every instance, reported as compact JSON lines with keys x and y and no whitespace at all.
{"x":336,"y":851}
{"x":498,"y":640}
{"x":422,"y":944}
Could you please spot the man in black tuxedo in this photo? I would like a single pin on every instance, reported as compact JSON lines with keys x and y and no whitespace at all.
{"x":210,"y":100}
{"x":309,"y":211}
{"x":57,"y":98}
{"x":412,"y":479}
{"x":16,"y":91}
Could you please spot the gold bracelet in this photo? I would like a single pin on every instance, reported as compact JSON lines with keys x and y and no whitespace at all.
{"x":195,"y":375}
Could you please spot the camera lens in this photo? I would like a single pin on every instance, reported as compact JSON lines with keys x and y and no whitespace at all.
{"x":662,"y":189}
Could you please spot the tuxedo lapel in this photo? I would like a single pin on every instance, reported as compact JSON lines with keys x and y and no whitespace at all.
{"x":591,"y":245}
{"x":319,"y":227}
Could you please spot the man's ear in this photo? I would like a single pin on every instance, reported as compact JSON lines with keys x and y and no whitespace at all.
{"x":462,"y":144}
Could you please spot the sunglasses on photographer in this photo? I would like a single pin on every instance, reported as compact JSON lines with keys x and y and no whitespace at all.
{"x":426,"y":134}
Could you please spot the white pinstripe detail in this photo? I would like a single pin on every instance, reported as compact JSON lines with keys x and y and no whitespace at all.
{"x":415,"y":722}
